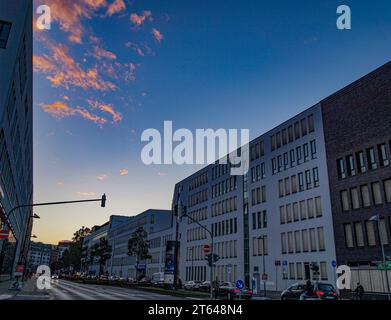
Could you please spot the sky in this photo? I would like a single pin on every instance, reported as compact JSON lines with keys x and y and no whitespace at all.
{"x":109,"y":69}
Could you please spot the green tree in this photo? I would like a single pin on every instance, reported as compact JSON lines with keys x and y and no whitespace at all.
{"x":102,"y":252}
{"x":138,"y":246}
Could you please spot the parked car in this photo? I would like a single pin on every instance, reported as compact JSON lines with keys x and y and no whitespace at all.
{"x":55,"y":277}
{"x":205,"y":286}
{"x":192,"y":285}
{"x":227,"y":290}
{"x":144,"y":280}
{"x":322,"y":291}
{"x":103,"y":277}
{"x":158,"y":279}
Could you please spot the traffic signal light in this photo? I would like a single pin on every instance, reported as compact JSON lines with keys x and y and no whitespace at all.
{"x":103,"y":201}
{"x":212,"y":259}
{"x":314,"y":267}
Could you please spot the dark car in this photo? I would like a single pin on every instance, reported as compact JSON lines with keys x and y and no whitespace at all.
{"x":228,"y":291}
{"x":322,"y":291}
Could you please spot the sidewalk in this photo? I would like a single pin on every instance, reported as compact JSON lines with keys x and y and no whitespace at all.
{"x":29,"y":289}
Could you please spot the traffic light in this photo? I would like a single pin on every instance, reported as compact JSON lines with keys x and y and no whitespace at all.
{"x":314,"y":267}
{"x":103,"y":201}
{"x":212,"y":259}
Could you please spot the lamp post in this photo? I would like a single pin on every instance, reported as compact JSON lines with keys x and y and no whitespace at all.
{"x":376,"y":219}
{"x":263,"y":262}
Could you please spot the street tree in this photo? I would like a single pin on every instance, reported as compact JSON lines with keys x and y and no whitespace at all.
{"x":138,"y":247}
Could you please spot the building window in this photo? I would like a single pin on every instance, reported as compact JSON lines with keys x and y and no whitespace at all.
{"x":294,"y":184}
{"x":292,"y":157}
{"x":387,"y":190}
{"x":355,"y":198}
{"x":282,"y":215}
{"x":383,"y":155}
{"x":298,"y":155}
{"x":350,"y":166}
{"x":5,"y":28}
{"x":281,"y":188}
{"x":273,"y":142}
{"x":311,"y":125}
{"x":360,"y":162}
{"x":288,"y":213}
{"x":274,"y":165}
{"x":365,"y":197}
{"x":299,"y":271}
{"x":371,"y":159}
{"x":318,"y":207}
{"x":284,"y":137}
{"x":383,"y":232}
{"x":290,"y":133}
{"x":303,"y":127}
{"x":297,"y":130}
{"x":290,"y":242}
{"x":286,"y":161}
{"x":306,"y":152}
{"x":303,"y":212}
{"x":301,"y":181}
{"x":341,"y":169}
{"x":359,"y":234}
{"x":313,"y":149}
{"x":310,"y":208}
{"x":287,"y":186}
{"x":283,"y":243}
{"x":370,"y":229}
{"x":308,"y":181}
{"x":313,"y":239}
{"x":278,"y":139}
{"x":295,"y":211}
{"x":297,"y":242}
{"x":345,"y":200}
{"x":315,"y":173}
{"x":348,"y":235}
{"x":376,"y":192}
{"x":292,"y":272}
{"x":323,"y":270}
{"x":321,"y":243}
{"x":304,"y":238}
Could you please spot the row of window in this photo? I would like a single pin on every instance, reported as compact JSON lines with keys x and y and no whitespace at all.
{"x":224,"y":206}
{"x":360,"y":234}
{"x":298,"y":183}
{"x":155,"y":243}
{"x":305,"y":209}
{"x":258,"y":172}
{"x":198,"y":198}
{"x":224,"y":187}
{"x":5,"y":28}
{"x":257,"y":150}
{"x":198,"y":215}
{"x":223,"y":228}
{"x":259,"y":220}
{"x":196,"y":273}
{"x":366,"y":195}
{"x":220,"y":170}
{"x":358,"y":163}
{"x":225,"y":249}
{"x":296,"y":131}
{"x":295,"y":157}
{"x":303,"y":241}
{"x":258,"y":195}
{"x":196,"y":234}
{"x":199,"y":181}
{"x":302,"y":271}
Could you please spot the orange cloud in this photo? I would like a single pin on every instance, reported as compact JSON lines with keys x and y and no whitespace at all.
{"x":115,"y":7}
{"x":100,"y":53}
{"x":58,"y":109}
{"x":62,"y":70}
{"x":157,"y":35}
{"x":102,"y":177}
{"x":108,"y":108}
{"x":124,"y":172}
{"x":138,"y":20}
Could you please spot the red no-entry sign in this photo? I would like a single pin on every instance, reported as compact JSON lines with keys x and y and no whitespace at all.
{"x":4,"y":234}
{"x":207,"y":248}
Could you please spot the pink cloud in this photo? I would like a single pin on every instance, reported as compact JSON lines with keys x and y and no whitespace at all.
{"x":124,"y":172}
{"x":138,"y":20}
{"x":115,"y":7}
{"x":157,"y":35}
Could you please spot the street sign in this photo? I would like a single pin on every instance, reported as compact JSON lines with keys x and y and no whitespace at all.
{"x":264,"y":277}
{"x":285,"y":263}
{"x":334,"y":264}
{"x":240,"y":284}
{"x":19,"y":270}
{"x":277,"y":263}
{"x":384,"y":266}
{"x":206,"y":248}
{"x":4,"y":234}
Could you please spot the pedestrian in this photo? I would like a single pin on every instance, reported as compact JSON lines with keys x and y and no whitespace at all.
{"x":308,"y":291}
{"x":359,"y":291}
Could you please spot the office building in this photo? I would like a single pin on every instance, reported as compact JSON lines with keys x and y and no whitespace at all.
{"x":16,"y":153}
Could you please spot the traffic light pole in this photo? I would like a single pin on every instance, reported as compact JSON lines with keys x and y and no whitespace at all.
{"x":211,"y":251}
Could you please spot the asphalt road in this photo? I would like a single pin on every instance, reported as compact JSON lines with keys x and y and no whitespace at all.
{"x":66,"y":290}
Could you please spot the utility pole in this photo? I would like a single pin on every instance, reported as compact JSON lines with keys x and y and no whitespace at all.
{"x":263,"y":262}
{"x":176,"y":251}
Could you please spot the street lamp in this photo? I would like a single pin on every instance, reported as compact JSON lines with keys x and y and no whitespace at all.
{"x":376,"y":219}
{"x":263,"y":262}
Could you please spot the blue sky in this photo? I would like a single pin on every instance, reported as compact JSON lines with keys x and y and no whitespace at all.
{"x":202,"y":64}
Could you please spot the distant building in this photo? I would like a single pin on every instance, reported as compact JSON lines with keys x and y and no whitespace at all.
{"x":158,"y":226}
{"x":16,"y":123}
{"x":40,"y":254}
{"x":62,"y":247}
